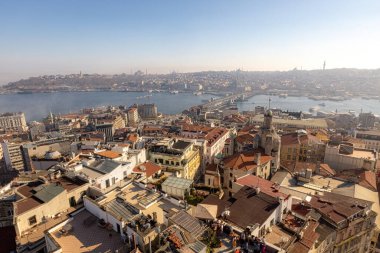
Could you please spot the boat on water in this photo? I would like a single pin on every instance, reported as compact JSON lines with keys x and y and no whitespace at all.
{"x":174,"y":92}
{"x":322,"y":104}
{"x":283,"y":95}
{"x":313,"y":109}
{"x":197,"y":93}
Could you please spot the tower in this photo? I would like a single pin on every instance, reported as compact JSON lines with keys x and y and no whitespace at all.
{"x":268,"y":118}
{"x":324,"y":65}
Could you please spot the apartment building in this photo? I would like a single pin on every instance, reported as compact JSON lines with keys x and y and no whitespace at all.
{"x":43,"y":204}
{"x":301,"y":146}
{"x":147,"y":111}
{"x":13,"y":156}
{"x":133,"y":116}
{"x":13,"y":122}
{"x":371,"y":138}
{"x":180,"y":157}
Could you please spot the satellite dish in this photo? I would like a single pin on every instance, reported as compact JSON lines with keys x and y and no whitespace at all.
{"x":308,"y":198}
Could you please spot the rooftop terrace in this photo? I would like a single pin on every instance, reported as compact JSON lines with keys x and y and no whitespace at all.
{"x":87,"y":238}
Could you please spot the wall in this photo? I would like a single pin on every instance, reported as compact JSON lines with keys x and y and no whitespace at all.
{"x":93,"y":208}
{"x":57,"y":205}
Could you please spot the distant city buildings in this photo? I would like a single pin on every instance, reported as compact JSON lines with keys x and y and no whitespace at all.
{"x":147,"y":111}
{"x":13,"y":122}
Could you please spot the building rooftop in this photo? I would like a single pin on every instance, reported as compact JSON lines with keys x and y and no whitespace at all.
{"x":181,"y":145}
{"x":106,"y":166}
{"x":188,"y":223}
{"x":265,"y":186}
{"x":148,"y":168}
{"x":87,"y":238}
{"x":244,"y":161}
{"x":177,"y":182}
{"x":45,"y":193}
{"x":308,"y":123}
{"x":247,"y":207}
{"x":109,"y":154}
{"x":136,"y":198}
{"x":338,"y":207}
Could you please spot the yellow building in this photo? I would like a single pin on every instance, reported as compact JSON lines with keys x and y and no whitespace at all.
{"x":177,"y":156}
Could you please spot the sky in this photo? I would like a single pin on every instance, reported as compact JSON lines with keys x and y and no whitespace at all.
{"x":96,"y":36}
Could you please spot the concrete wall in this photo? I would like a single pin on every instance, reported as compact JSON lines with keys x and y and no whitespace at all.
{"x":57,"y":205}
{"x":93,"y":208}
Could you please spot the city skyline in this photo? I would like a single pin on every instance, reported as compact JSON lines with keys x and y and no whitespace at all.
{"x":123,"y":37}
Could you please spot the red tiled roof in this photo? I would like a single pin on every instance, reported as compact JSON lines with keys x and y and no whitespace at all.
{"x":245,"y":138}
{"x":25,"y":205}
{"x":214,"y":135}
{"x":132,"y":137}
{"x":109,"y":154}
{"x":368,"y":179}
{"x":150,"y":168}
{"x":289,"y":139}
{"x":244,"y":161}
{"x":337,"y":207}
{"x":324,"y":167}
{"x":265,"y":186}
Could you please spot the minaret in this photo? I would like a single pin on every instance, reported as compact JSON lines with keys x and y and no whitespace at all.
{"x":268,"y":118}
{"x":324,"y":65}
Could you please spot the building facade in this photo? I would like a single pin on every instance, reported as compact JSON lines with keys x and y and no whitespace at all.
{"x":13,"y":122}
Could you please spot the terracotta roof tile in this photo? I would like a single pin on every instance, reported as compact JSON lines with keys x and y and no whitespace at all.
{"x":109,"y":154}
{"x":265,"y":186}
{"x":150,"y":168}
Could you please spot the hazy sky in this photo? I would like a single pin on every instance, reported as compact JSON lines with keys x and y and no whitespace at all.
{"x":49,"y":37}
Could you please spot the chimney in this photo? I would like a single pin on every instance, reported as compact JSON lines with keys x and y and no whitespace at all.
{"x":258,"y":158}
{"x":257,"y":190}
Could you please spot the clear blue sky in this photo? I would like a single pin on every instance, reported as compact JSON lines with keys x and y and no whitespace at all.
{"x":48,"y":37}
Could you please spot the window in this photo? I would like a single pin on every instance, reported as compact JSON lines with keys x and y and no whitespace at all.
{"x":209,"y":181}
{"x":32,"y":220}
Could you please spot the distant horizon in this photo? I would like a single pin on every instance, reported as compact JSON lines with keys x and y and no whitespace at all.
{"x":184,"y":72}
{"x":93,"y":36}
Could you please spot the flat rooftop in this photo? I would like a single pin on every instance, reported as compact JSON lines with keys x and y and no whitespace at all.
{"x":368,"y":154}
{"x":134,"y":195}
{"x":278,"y":237}
{"x":312,"y":123}
{"x":87,"y":238}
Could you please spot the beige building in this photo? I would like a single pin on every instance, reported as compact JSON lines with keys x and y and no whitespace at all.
{"x":13,"y":121}
{"x":12,"y":155}
{"x":285,"y":123}
{"x":133,"y":116}
{"x":239,"y":165}
{"x":301,"y":146}
{"x":41,"y":204}
{"x":345,"y":157}
{"x":371,"y":138}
